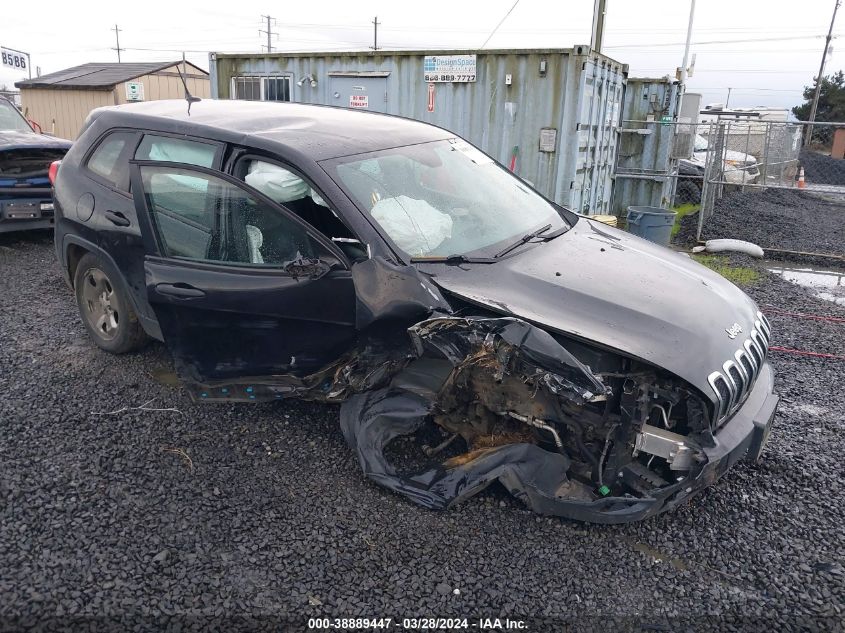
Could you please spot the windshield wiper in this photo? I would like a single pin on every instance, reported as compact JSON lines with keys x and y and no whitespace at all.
{"x":452,"y":260}
{"x":522,"y":240}
{"x":554,"y":234}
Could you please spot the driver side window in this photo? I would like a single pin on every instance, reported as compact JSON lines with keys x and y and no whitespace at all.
{"x":201,"y":217}
{"x":298,"y":195}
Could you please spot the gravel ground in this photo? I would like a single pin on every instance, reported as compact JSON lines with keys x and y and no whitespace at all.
{"x":774,"y":218}
{"x":820,"y":169}
{"x":260,"y":510}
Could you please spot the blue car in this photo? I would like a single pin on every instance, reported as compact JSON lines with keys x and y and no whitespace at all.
{"x":26,"y":156}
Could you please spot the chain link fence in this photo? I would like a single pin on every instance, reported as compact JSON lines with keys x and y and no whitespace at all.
{"x":759,"y":155}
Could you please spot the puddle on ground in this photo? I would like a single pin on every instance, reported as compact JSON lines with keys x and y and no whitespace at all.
{"x":825,"y":284}
{"x":166,"y":376}
{"x":656,"y":555}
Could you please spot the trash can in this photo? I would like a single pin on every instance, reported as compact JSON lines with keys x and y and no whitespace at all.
{"x":651,"y":223}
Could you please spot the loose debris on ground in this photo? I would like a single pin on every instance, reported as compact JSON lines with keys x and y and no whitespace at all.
{"x":773,"y":218}
{"x":238,"y":510}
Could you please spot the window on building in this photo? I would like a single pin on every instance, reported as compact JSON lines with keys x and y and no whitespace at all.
{"x":277,"y":89}
{"x":248,"y":88}
{"x":262,"y":88}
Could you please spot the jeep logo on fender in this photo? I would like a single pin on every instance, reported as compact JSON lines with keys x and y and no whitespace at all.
{"x":734,"y":330}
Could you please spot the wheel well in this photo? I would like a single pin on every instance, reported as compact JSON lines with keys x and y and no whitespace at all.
{"x":74,"y":254}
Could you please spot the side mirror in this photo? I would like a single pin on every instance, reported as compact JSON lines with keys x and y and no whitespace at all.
{"x":309,"y":268}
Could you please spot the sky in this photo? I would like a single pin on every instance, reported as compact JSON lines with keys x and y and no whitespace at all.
{"x":766,"y":52}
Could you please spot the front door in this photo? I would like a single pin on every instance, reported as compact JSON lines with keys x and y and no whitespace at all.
{"x":250,"y":299}
{"x":359,"y":92}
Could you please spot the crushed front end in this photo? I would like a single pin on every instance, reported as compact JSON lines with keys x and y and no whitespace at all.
{"x":570,"y":430}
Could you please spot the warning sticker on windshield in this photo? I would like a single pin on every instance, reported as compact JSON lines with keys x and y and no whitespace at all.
{"x":474,"y":154}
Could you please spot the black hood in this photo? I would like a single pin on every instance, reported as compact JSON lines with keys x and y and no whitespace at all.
{"x":11,"y":139}
{"x":606,"y":286}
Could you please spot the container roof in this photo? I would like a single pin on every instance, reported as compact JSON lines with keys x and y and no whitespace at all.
{"x":99,"y":76}
{"x":578,"y":49}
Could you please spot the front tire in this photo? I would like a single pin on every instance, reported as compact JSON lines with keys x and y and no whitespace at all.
{"x":105,"y":306}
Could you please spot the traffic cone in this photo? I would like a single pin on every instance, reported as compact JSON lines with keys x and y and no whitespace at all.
{"x":801,"y":183}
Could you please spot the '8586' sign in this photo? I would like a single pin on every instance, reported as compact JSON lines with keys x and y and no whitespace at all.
{"x":14,"y":59}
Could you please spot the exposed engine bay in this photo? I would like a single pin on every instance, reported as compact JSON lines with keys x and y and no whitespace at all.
{"x":508,"y":402}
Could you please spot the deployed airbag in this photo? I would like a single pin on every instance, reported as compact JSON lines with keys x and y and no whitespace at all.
{"x":416,"y":226}
{"x":276,"y":183}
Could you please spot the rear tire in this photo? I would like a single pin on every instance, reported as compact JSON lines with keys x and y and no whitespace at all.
{"x":105,"y":306}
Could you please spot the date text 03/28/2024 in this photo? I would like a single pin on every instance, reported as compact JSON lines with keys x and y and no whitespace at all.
{"x":327,"y":624}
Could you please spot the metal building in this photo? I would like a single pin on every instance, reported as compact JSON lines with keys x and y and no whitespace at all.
{"x":652,"y":140}
{"x":551,"y":114}
{"x":60,"y":102}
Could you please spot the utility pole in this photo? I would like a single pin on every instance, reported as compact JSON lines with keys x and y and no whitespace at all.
{"x":117,"y":40}
{"x":375,"y":34}
{"x":599,"y":13}
{"x":683,"y":77}
{"x":269,"y":33}
{"x":808,"y":133}
{"x":728,"y":100}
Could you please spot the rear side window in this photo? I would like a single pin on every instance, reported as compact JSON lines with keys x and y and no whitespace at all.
{"x":106,"y":160}
{"x":176,"y":150}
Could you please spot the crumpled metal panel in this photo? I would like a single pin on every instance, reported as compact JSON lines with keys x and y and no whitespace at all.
{"x":504,"y":348}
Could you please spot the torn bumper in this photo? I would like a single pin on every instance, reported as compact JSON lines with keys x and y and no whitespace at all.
{"x":538,"y":477}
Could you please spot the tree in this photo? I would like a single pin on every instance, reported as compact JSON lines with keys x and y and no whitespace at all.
{"x":831,"y":100}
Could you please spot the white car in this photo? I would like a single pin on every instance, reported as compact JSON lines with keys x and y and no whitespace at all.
{"x":739,"y":168}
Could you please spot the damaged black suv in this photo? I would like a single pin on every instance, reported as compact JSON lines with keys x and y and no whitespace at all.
{"x":293,"y":251}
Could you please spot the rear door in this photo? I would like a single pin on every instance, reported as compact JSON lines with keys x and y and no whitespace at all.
{"x":251,"y":300}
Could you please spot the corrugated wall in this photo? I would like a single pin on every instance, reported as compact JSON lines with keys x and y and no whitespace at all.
{"x":579,"y":95}
{"x":645,"y":165}
{"x":62,"y":112}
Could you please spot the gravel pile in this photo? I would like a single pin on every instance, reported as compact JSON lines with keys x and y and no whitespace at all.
{"x":238,"y":510}
{"x":820,"y":169}
{"x":774,"y":218}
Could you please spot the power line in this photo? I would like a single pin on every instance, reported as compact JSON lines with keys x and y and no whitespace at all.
{"x":375,"y":33}
{"x":696,"y":88}
{"x":269,"y":32}
{"x":117,"y":39}
{"x":758,"y":39}
{"x":815,"y":104}
{"x":502,"y":21}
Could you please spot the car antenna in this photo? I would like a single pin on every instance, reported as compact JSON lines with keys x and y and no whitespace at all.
{"x":188,"y":96}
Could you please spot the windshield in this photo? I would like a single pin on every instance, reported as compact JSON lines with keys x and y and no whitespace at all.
{"x":11,"y":119}
{"x":444,"y":198}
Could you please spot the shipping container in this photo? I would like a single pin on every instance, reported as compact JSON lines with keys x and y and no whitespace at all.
{"x":648,"y":148}
{"x":551,"y":114}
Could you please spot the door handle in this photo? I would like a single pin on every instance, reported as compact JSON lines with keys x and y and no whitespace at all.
{"x":117,"y":218}
{"x":179,"y":290}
